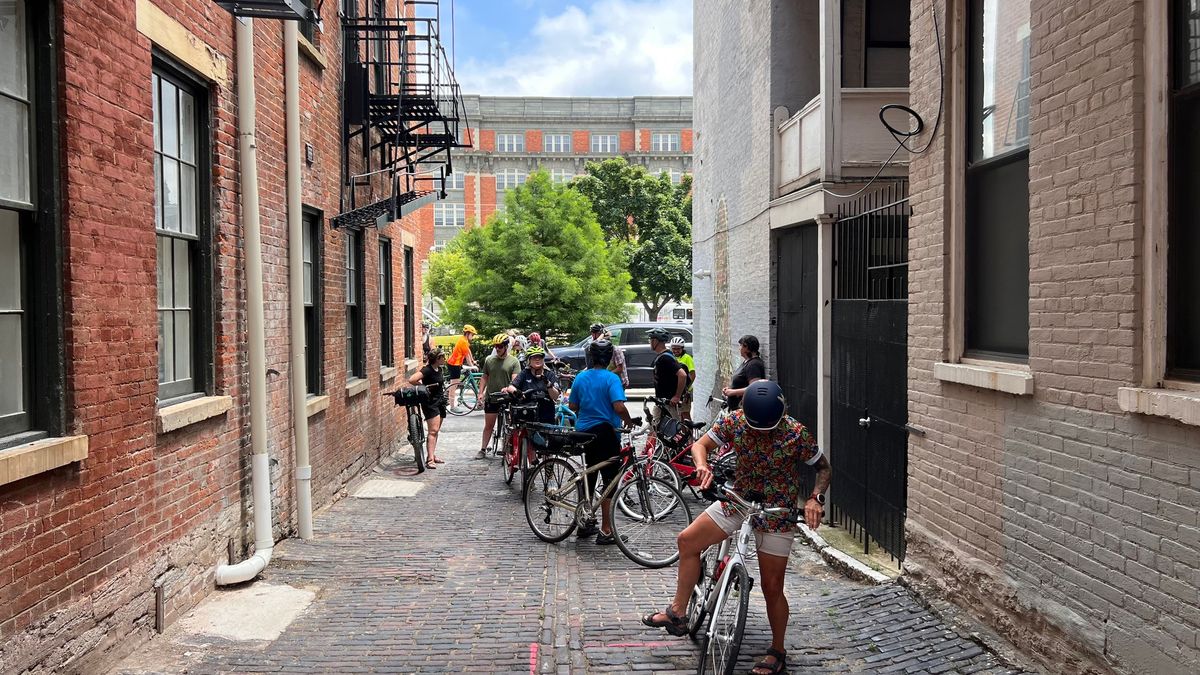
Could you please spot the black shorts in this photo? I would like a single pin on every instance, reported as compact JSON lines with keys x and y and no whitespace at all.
{"x":606,"y":444}
{"x":490,"y":408}
{"x":433,"y":410}
{"x":455,"y":371}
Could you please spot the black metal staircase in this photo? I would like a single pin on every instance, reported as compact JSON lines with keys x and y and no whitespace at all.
{"x":403,"y":110}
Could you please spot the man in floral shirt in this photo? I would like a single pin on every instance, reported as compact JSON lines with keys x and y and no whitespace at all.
{"x":769,"y":448}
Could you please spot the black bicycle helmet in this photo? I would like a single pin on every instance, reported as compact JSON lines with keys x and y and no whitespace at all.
{"x":659,"y":334}
{"x":763,"y":405}
{"x":601,"y":353}
{"x":597,"y":328}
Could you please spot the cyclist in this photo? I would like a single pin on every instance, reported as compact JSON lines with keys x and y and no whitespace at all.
{"x":597,"y":331}
{"x":598,"y":400}
{"x":539,"y":381}
{"x":685,"y":361}
{"x":618,"y":364}
{"x":460,"y":355}
{"x":535,"y":338}
{"x":520,"y":345}
{"x":670,"y":381}
{"x":753,"y":369}
{"x":435,"y":411}
{"x":769,"y":447}
{"x":499,"y":369}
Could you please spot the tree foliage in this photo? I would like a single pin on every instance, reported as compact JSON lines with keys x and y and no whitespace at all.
{"x":652,"y":219}
{"x":540,"y":264}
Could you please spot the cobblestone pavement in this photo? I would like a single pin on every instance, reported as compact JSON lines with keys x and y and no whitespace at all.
{"x":451,"y":579}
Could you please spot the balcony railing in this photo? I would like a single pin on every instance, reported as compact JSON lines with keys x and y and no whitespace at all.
{"x":858,"y":139}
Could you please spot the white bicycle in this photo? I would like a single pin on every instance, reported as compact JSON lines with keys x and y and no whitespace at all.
{"x":716,"y":611}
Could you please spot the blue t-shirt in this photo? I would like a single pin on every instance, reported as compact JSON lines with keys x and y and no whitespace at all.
{"x":595,"y":390}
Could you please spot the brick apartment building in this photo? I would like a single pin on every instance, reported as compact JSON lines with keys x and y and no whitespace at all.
{"x":513,"y":136}
{"x":1000,"y":353}
{"x":125,"y":448}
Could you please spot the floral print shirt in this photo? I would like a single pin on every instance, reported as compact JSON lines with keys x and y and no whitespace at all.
{"x":767,"y":462}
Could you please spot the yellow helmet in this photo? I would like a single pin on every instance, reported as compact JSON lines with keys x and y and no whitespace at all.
{"x":500,"y":339}
{"x":470,"y":329}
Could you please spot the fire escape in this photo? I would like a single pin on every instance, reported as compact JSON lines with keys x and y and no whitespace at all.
{"x":403,"y":111}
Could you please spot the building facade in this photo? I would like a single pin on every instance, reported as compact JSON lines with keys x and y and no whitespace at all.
{"x":509,"y":137}
{"x":1053,"y":483}
{"x":124,"y":380}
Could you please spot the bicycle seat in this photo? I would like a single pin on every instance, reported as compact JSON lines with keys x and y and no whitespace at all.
{"x":695,"y":425}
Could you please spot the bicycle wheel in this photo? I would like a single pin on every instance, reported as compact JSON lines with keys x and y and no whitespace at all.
{"x":454,"y":408}
{"x":654,"y":468}
{"x":697,"y":608}
{"x":723,"y":640}
{"x":648,"y":536}
{"x":469,"y":395}
{"x":526,"y":448}
{"x":551,"y":499}
{"x":416,"y":436}
{"x":511,"y":459}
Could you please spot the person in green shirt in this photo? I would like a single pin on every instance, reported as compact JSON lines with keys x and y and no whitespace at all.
{"x":499,"y":369}
{"x":685,"y":360}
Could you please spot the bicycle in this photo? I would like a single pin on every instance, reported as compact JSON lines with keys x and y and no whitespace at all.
{"x":720,"y":599}
{"x":412,"y":398}
{"x":672,"y":445}
{"x":558,"y":499}
{"x":467,"y":400}
{"x":511,"y":439}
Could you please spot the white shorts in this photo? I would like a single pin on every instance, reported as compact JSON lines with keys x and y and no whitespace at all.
{"x":771,"y":543}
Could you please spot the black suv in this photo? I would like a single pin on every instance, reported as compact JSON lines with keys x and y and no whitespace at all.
{"x":631,"y":338}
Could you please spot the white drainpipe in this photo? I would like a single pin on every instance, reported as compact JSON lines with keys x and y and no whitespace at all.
{"x":291,"y":78}
{"x":260,"y":476}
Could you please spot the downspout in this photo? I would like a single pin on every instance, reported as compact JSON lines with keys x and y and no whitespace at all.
{"x":260,"y":468}
{"x":291,"y":79}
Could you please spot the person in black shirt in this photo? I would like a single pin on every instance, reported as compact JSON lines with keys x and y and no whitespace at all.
{"x":670,"y":381}
{"x":753,"y":369}
{"x":431,"y":376}
{"x":539,"y":382}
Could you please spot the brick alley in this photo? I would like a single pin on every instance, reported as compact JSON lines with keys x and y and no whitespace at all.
{"x":451,"y":579}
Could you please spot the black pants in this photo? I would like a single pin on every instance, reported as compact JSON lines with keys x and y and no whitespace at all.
{"x":606,"y":444}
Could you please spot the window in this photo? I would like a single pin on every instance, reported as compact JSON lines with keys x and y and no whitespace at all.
{"x":510,"y":143}
{"x":604,"y":143}
{"x":664,"y":142}
{"x":410,"y":306}
{"x":308,"y":27}
{"x":184,"y":326}
{"x":355,"y":329}
{"x":996,"y":231}
{"x":560,"y":143}
{"x":674,"y":174}
{"x":1183,"y":250}
{"x":507,"y":179}
{"x":561,"y":175}
{"x":387,"y":356}
{"x":313,"y":257}
{"x":456,"y":180}
{"x":449,"y":214}
{"x":32,"y":375}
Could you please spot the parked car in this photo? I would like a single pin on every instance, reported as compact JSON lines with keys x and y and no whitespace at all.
{"x":630,"y":337}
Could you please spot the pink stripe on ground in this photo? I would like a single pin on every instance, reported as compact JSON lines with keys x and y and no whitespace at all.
{"x":632,"y":645}
{"x":533,"y":658}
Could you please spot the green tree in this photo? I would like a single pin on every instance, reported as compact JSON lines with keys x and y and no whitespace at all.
{"x":652,"y":219}
{"x":542,"y":263}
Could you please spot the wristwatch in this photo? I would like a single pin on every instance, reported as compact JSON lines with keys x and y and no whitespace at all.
{"x":820,"y":497}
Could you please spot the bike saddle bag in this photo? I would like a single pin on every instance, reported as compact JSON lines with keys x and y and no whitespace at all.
{"x":671,"y":432}
{"x":418,"y":395}
{"x":524,"y":412}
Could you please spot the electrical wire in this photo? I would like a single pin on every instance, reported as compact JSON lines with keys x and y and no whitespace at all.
{"x":902,"y":136}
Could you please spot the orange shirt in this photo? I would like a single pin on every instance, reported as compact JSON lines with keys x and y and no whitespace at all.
{"x":461,"y":349}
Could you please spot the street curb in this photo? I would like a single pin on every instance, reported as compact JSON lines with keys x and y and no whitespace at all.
{"x":842,"y":562}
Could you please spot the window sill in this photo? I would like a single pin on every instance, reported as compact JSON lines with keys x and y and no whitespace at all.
{"x":190,"y":412}
{"x":310,"y":50}
{"x":1182,"y":406}
{"x":36,"y":457}
{"x":357,"y":386}
{"x":1007,"y":377}
{"x":387,"y":373}
{"x":315,"y":404}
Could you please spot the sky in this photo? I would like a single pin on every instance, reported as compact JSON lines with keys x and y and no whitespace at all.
{"x":572,"y":47}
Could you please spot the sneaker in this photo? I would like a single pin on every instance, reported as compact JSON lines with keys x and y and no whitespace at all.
{"x":586,"y":530}
{"x":482,"y":454}
{"x":608,"y":539}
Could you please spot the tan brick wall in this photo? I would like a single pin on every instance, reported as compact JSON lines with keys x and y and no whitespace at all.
{"x":1070,"y":526}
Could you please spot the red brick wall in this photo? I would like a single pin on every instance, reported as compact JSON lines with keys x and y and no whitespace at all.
{"x":581,"y":141}
{"x":533,"y":141}
{"x":625,"y":141}
{"x":89,"y":541}
{"x":487,"y":140}
{"x":685,"y":140}
{"x":487,"y":197}
{"x":644,"y":138}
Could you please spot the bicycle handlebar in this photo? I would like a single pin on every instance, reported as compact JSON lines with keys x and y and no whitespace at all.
{"x":752,"y":502}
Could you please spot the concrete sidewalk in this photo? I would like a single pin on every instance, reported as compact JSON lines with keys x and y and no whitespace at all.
{"x":450,"y":579}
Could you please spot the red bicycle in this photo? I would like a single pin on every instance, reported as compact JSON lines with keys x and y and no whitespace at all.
{"x":671,"y":444}
{"x":512,"y":438}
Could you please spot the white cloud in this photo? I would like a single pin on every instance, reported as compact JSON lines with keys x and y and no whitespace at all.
{"x":612,"y":48}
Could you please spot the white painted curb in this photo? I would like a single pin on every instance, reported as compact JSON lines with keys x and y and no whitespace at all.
{"x":842,"y":562}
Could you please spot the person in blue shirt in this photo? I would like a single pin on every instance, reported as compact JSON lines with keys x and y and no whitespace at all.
{"x":598,"y":401}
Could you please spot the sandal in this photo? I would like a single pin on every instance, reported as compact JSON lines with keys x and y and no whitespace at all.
{"x":675,"y":624}
{"x":779,"y":665}
{"x":439,"y":460}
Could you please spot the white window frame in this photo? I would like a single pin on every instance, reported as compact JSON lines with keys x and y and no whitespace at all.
{"x":561,"y":176}
{"x":605,"y":144}
{"x":510,"y":142}
{"x":664,"y":141}
{"x":449,"y":214}
{"x":559,"y":144}
{"x":457,"y":180}
{"x":507,"y":179}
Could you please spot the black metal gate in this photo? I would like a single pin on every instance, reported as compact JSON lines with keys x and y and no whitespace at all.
{"x":796,"y":326}
{"x":869,"y":444}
